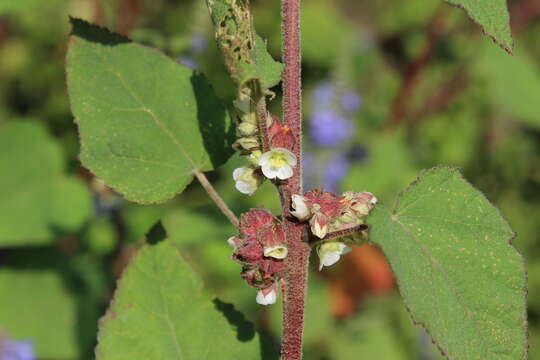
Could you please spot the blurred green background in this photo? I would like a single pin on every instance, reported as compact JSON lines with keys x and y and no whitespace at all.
{"x":390,"y":87}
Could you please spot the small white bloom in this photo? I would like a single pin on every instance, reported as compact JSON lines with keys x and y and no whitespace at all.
{"x":277,"y":251}
{"x":232,"y":242}
{"x":247,"y":181}
{"x":278,"y":162}
{"x":266,"y":296}
{"x":301,"y":210}
{"x":330,"y":252}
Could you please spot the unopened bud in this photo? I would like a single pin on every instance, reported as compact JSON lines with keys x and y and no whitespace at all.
{"x":248,"y":143}
{"x":247,"y":128}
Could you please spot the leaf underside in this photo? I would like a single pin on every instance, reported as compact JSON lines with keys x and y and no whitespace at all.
{"x":457,"y":272}
{"x":160,"y":312}
{"x":146,"y":123}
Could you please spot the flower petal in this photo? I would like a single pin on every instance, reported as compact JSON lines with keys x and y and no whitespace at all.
{"x":266,"y":299}
{"x":284,"y":172}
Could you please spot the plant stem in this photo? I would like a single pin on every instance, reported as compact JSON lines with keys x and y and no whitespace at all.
{"x":346,"y":231}
{"x":297,"y":244}
{"x":215,"y":196}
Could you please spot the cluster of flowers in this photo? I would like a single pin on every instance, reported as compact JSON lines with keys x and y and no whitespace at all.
{"x":260,"y":249}
{"x":327,"y":213}
{"x":277,"y":163}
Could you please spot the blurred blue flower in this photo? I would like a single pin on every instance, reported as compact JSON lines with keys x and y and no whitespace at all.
{"x":329,"y":124}
{"x":309,"y":170}
{"x":16,"y":349}
{"x":351,"y":101}
{"x":335,"y":171}
{"x":327,"y":127}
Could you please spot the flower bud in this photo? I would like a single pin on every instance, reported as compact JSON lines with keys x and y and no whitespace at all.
{"x":254,"y":220}
{"x":319,"y":225}
{"x":301,"y":210}
{"x":248,"y":143}
{"x":254,"y":157}
{"x":234,"y":242}
{"x":330,"y":252}
{"x":247,"y":180}
{"x":247,"y":128}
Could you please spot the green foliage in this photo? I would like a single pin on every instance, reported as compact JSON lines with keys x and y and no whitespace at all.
{"x":492,"y":16}
{"x":513,"y":83}
{"x":36,"y":304}
{"x":146,"y":123}
{"x":160,"y":312}
{"x":38,"y":200}
{"x":243,"y":50}
{"x":387,"y":169}
{"x":186,"y":227}
{"x":459,"y":275}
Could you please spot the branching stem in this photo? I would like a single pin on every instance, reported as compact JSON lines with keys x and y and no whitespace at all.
{"x":215,"y":196}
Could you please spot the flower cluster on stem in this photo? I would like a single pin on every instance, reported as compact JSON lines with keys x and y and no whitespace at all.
{"x":260,"y":249}
{"x":329,"y":213}
{"x":276,"y":163}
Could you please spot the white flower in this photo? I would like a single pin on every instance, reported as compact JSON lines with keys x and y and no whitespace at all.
{"x":247,"y":181}
{"x":330,"y":252}
{"x":301,"y":210}
{"x":267,"y":296}
{"x":278,"y":162}
{"x":277,"y":251}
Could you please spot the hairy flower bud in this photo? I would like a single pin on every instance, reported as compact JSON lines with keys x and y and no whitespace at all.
{"x":248,"y":143}
{"x":254,"y":220}
{"x":247,"y":128}
{"x":319,"y":224}
{"x":301,"y":210}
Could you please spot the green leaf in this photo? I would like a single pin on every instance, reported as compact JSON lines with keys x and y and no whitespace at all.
{"x":268,"y":69}
{"x":245,"y":61}
{"x":460,"y":277}
{"x":186,"y":227}
{"x":513,"y":83}
{"x":37,"y":305}
{"x":160,"y":312}
{"x":146,"y":123}
{"x":38,"y":200}
{"x":492,"y":16}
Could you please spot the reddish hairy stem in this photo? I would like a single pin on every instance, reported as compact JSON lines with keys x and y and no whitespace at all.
{"x":345,"y":231}
{"x":297,"y":244}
